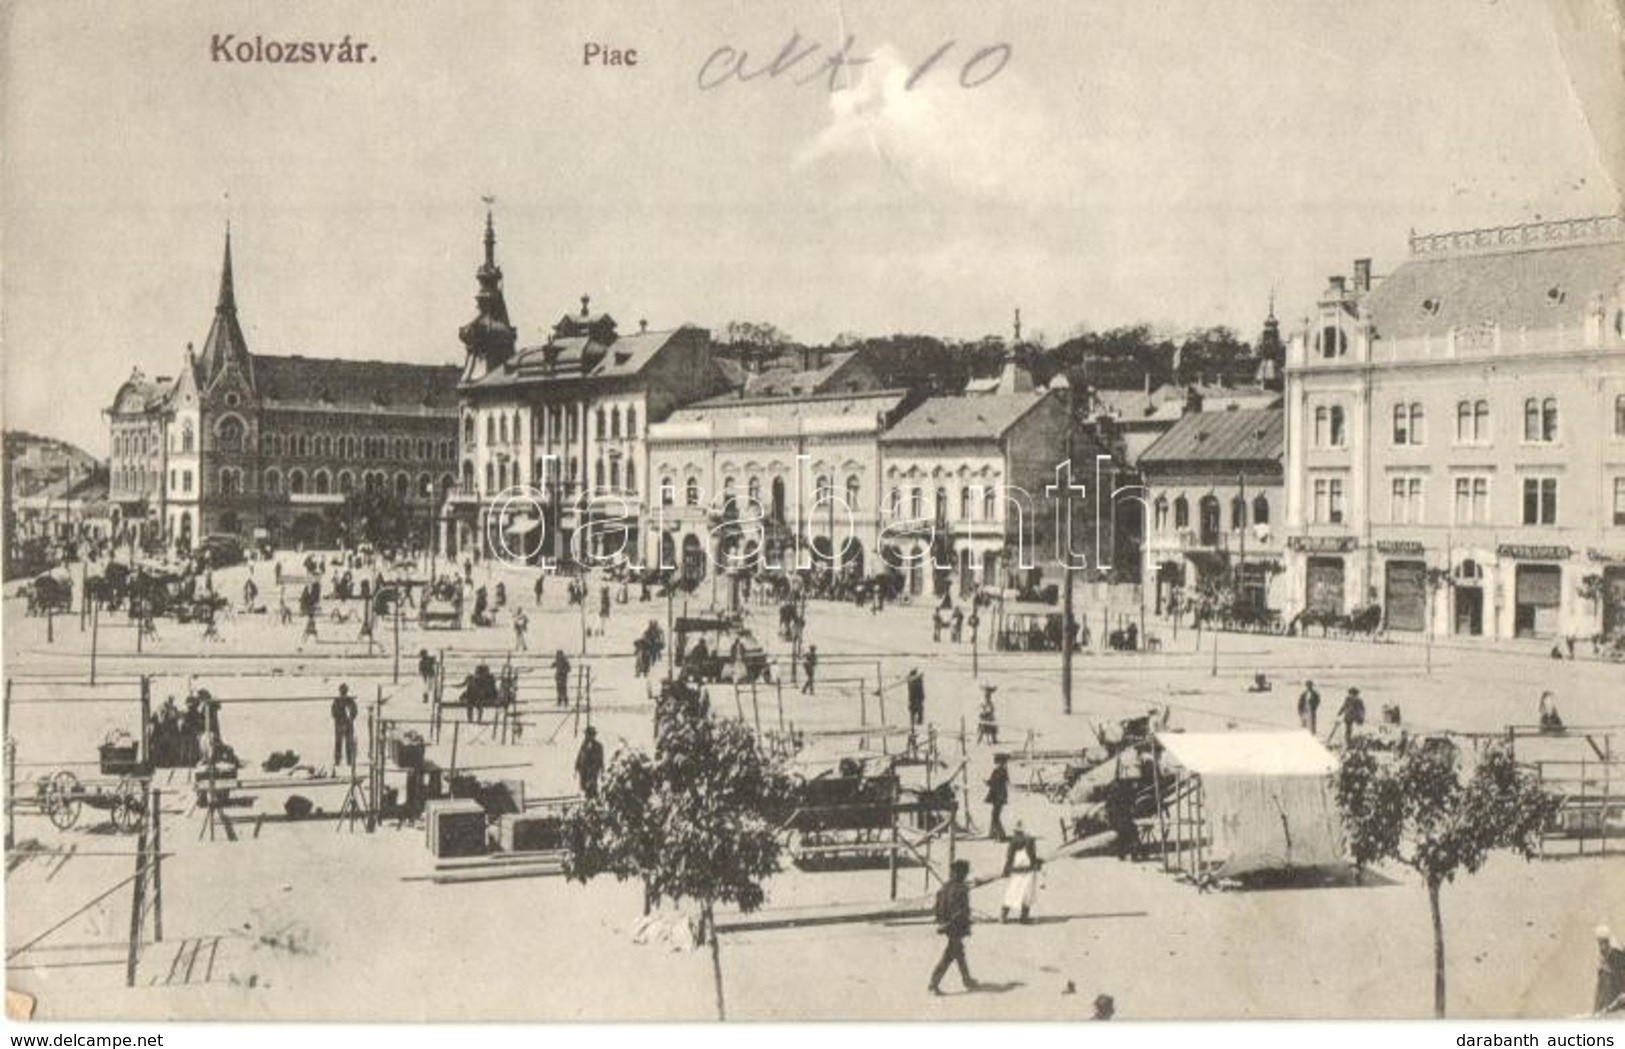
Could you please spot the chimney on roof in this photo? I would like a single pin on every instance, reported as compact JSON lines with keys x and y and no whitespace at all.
{"x":1362,"y":275}
{"x":1193,"y":400}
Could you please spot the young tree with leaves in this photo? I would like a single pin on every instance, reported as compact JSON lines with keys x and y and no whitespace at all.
{"x":698,"y":820}
{"x":1417,"y":808}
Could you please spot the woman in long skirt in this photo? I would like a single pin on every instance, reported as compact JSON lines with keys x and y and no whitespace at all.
{"x":1021,"y":867}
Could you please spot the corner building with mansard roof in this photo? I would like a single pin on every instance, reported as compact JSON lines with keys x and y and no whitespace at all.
{"x":1456,"y":437}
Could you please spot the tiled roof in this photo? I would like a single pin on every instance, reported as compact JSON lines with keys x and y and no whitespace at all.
{"x":786,"y":382}
{"x":1257,"y":436}
{"x":140,"y":394}
{"x":577,"y":357}
{"x":1538,"y":288}
{"x":330,"y":383}
{"x":732,"y":416}
{"x":981,"y":417}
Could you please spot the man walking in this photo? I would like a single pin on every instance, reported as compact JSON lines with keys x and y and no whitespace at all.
{"x":1309,"y":707}
{"x":520,"y":621}
{"x":1610,"y":992}
{"x":589,"y":762}
{"x":428,"y":670}
{"x":1352,"y":713}
{"x":809,"y":667}
{"x":953,"y":922}
{"x":344,"y":715}
{"x":998,"y":795}
{"x":561,"y":677}
{"x":916,"y":698}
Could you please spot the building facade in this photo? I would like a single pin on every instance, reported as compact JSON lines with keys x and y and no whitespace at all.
{"x":1456,"y":438}
{"x":272,"y":447}
{"x":1215,"y":486}
{"x":553,"y":454}
{"x":771,"y":483}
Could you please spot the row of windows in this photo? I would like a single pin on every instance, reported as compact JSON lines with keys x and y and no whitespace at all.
{"x":131,"y":478}
{"x":553,"y":424}
{"x":1209,"y":508}
{"x":321,"y":482}
{"x":1407,"y":501}
{"x":348,"y":446}
{"x":1540,"y":422}
{"x":500,"y":475}
{"x":139,"y":443}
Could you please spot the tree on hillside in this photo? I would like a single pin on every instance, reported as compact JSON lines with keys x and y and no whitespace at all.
{"x":1418,"y":809}
{"x":698,"y":820}
{"x":754,"y":344}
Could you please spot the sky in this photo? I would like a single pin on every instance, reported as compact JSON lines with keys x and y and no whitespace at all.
{"x":1170,"y":162}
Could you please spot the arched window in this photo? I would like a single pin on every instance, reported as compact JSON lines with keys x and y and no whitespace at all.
{"x":468,"y":429}
{"x":1464,"y":421}
{"x":347,"y":482}
{"x":631,"y":422}
{"x":468,"y":473}
{"x":668,"y":491}
{"x":1418,"y":421}
{"x":631,"y":476}
{"x":1208,"y":525}
{"x":852,"y":486}
{"x":894,"y":502}
{"x":691,"y":492}
{"x":990,"y":503}
{"x":228,"y":481}
{"x":598,"y":474}
{"x":1261,"y":509}
{"x":273,"y":482}
{"x":296,"y":482}
{"x":1238,"y":513}
{"x":490,"y":430}
{"x":1160,"y":515}
{"x":942,"y":504}
{"x":425,"y":487}
{"x":1182,"y":513}
{"x":753,"y":492}
{"x":229,"y":434}
{"x":403,"y":486}
{"x":1402,"y":419}
{"x":615,"y":422}
{"x":1337,"y":432}
{"x":916,"y":503}
{"x":319,"y":482}
{"x":965,"y":505}
{"x":777,"y":507}
{"x":1531,"y":420}
{"x":1548,"y":419}
{"x":1481,"y":420}
{"x":188,"y":440}
{"x":1619,"y":415}
{"x":502,"y":429}
{"x":598,"y":425}
{"x":1321,"y":417}
{"x":490,"y":477}
{"x":518,"y":429}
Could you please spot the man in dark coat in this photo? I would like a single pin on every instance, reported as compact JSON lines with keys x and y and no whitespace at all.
{"x":916,"y":697}
{"x":1610,"y":994}
{"x":1309,"y":707}
{"x":589,"y":762}
{"x":998,"y":795}
{"x":1351,"y":713}
{"x":344,"y":714}
{"x":953,"y":916}
{"x":561,"y":677}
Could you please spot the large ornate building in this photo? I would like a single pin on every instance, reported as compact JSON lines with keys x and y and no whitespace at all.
{"x":262,"y":446}
{"x":552,"y":438}
{"x":1456,"y":436}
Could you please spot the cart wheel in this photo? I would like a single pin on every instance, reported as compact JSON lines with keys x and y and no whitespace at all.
{"x":129,"y":805}
{"x":62,"y":800}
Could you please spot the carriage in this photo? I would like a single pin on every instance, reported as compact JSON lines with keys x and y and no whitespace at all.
{"x":720,"y":648}
{"x":441,"y":607}
{"x":50,"y":593}
{"x":1028,"y":627}
{"x":120,"y":790}
{"x":849,"y":816}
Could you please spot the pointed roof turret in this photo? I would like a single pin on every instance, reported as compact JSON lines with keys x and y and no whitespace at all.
{"x":489,"y":338}
{"x":225,"y":345}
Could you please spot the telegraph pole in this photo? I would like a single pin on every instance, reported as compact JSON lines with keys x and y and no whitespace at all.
{"x":1066,"y":565}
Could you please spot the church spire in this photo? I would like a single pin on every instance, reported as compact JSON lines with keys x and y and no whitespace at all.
{"x":225,"y":345}
{"x":228,"y":295}
{"x":489,"y":338}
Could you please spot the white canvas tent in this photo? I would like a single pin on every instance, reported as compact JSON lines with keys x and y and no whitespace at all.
{"x":1244,"y":802}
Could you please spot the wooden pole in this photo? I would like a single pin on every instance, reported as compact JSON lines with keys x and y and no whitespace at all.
{"x":11,"y":773}
{"x":755,"y":708}
{"x":138,"y":899}
{"x":455,"y":726}
{"x":894,"y":854}
{"x":739,"y":703}
{"x":95,"y":620}
{"x":777,"y":681}
{"x":588,"y":697}
{"x":156,"y":808}
{"x":397,"y":678}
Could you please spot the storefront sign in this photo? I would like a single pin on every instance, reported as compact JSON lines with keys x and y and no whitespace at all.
{"x":1527,"y":552}
{"x":1605,"y":557}
{"x":1399,"y":546}
{"x":1322,"y":544}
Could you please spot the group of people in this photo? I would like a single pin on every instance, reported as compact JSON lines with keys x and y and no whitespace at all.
{"x":1350,"y":713}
